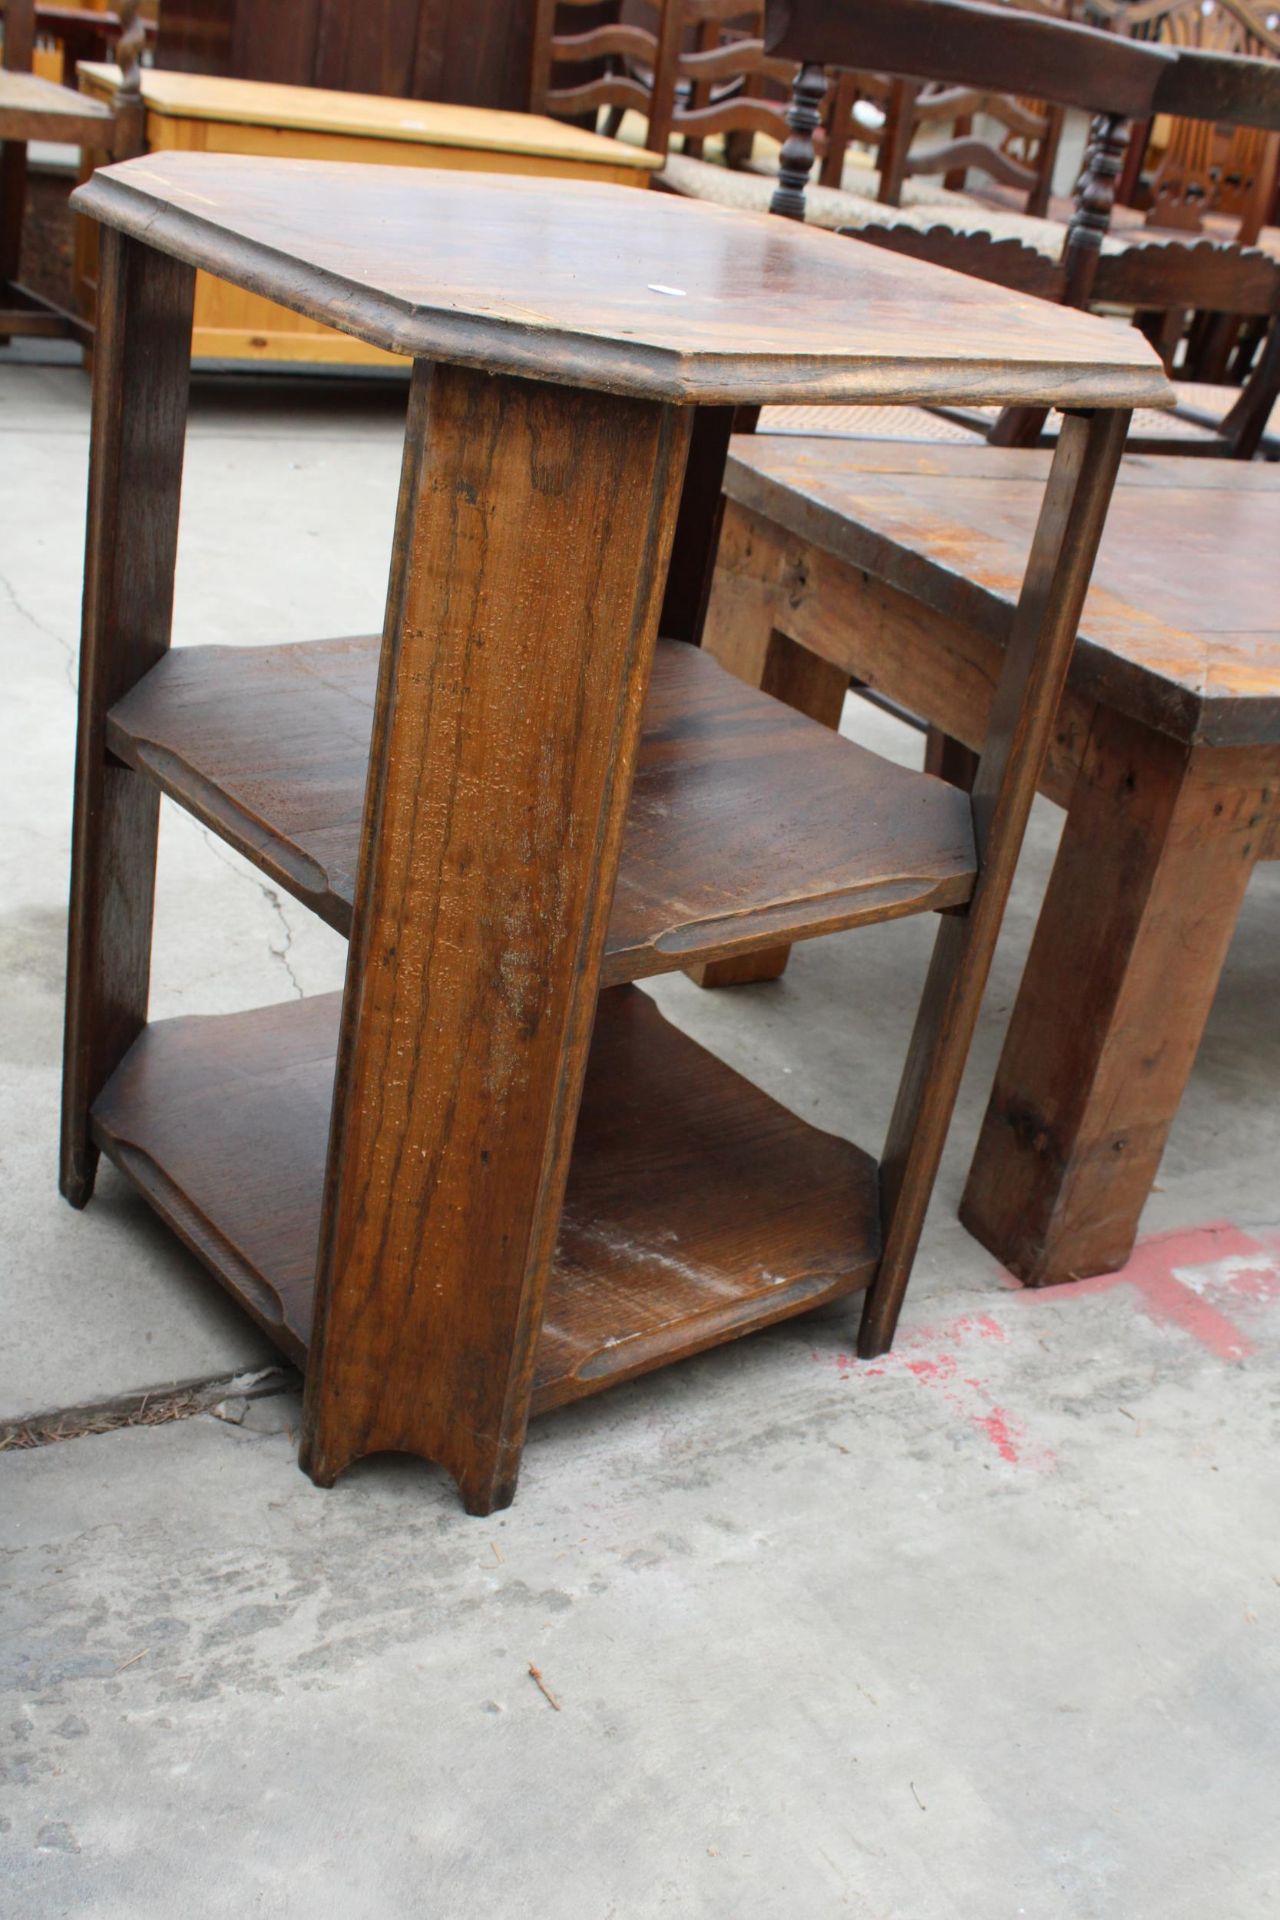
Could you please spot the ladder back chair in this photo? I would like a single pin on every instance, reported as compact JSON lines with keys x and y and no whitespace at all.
{"x":611,"y":64}
{"x":1164,"y":279}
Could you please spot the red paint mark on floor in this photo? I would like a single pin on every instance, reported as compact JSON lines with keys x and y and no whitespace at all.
{"x":938,"y":1371}
{"x":934,"y":1372}
{"x":1179,"y":1277}
{"x":999,"y":1429}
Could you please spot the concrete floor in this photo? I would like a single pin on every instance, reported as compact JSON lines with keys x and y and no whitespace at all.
{"x":987,"y":1629}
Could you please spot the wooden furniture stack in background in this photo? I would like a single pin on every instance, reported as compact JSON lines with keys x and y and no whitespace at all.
{"x":32,"y":108}
{"x":200,"y":114}
{"x":473,"y":53}
{"x":698,"y":69}
{"x":1200,"y":171}
{"x":892,"y":566}
{"x":65,"y":35}
{"x":489,"y":1179}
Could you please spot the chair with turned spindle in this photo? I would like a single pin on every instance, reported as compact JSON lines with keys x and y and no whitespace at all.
{"x":1163,"y":278}
{"x":698,"y":72}
{"x":1200,"y":171}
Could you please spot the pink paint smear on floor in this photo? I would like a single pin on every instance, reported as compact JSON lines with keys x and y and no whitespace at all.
{"x":934,"y":1358}
{"x":1186,"y":1278}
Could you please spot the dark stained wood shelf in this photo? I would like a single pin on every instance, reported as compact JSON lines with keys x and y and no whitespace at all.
{"x":697,"y":1207}
{"x":749,"y":822}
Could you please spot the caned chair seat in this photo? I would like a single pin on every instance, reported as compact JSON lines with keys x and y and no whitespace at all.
{"x":1201,"y":401}
{"x":864,"y":423}
{"x":750,"y":190}
{"x":860,"y":177}
{"x":1149,"y":423}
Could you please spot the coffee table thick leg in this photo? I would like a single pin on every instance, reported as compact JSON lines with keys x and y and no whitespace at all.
{"x":1031,"y":680}
{"x":531,"y":553}
{"x":1159,"y":844}
{"x":142,"y":363}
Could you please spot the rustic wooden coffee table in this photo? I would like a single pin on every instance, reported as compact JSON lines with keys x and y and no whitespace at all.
{"x":900,"y":565}
{"x":440,"y":1190}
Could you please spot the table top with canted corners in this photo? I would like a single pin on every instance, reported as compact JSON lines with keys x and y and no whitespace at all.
{"x":602,"y":287}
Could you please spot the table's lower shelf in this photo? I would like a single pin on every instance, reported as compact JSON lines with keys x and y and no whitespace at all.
{"x":697,"y":1207}
{"x":749,"y":823}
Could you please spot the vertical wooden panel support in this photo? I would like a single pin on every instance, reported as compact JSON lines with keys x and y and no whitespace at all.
{"x":1022,"y":714}
{"x":141,"y":374}
{"x":534,"y":533}
{"x":1159,"y":844}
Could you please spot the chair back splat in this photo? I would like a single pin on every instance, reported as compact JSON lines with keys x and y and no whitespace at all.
{"x":1003,"y":50}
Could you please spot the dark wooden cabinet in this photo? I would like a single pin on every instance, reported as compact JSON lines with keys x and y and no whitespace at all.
{"x":472,"y":52}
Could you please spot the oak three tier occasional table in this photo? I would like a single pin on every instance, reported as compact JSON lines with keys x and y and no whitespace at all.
{"x":488,"y":1178}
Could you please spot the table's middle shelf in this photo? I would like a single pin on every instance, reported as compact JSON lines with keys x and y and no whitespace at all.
{"x":749,"y":823}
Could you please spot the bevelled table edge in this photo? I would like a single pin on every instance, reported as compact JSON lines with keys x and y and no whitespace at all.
{"x":563,"y":357}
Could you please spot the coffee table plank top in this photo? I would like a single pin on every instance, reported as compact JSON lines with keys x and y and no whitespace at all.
{"x":1182,"y":623}
{"x":372,"y":116}
{"x":598,"y":286}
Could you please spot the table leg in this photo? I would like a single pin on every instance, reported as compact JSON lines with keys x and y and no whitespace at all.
{"x":1159,"y":844}
{"x":531,"y":553}
{"x":141,"y":376}
{"x":1033,"y":674}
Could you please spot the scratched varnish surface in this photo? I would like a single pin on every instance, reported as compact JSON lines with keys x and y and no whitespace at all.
{"x":647,"y":294}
